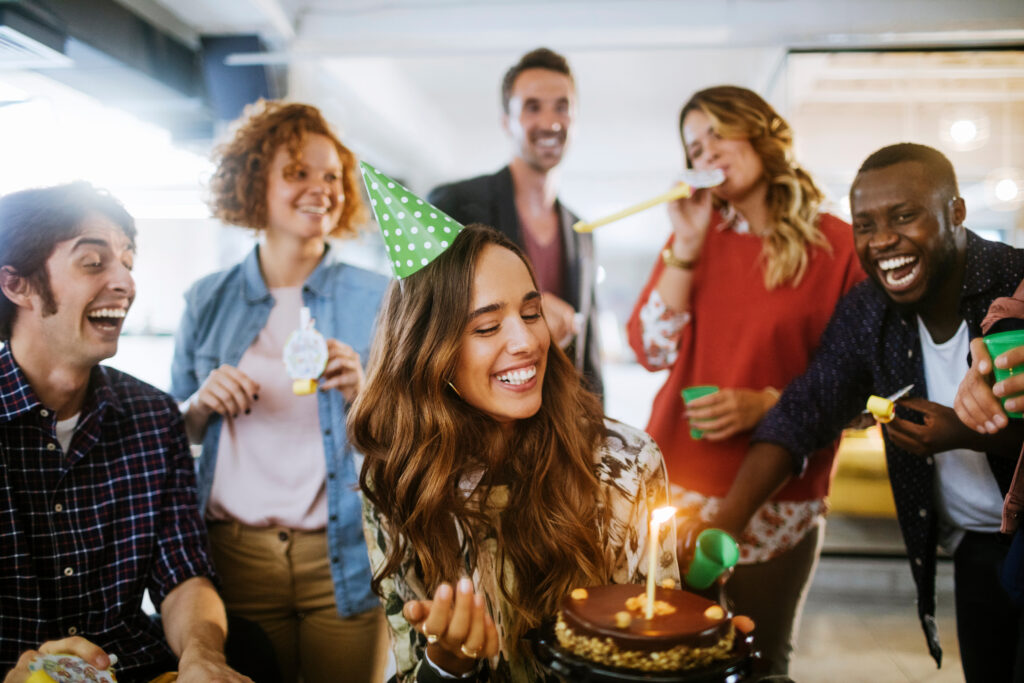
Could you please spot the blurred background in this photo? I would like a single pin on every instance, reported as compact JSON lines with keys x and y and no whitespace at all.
{"x":133,"y":94}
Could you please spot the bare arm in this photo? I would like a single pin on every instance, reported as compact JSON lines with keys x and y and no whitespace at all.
{"x":690,"y":219}
{"x":195,"y":625}
{"x":765,"y":469}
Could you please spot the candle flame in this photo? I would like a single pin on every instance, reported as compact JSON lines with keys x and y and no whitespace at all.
{"x":663,"y":514}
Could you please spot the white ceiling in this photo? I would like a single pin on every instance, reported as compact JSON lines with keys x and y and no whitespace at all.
{"x":413,"y":84}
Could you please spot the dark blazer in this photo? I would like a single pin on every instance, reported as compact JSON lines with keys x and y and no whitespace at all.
{"x":490,"y":199}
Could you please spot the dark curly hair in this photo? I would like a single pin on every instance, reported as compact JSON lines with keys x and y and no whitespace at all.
{"x":238,"y":188}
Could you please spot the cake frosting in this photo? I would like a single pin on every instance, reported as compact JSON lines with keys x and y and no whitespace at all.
{"x":606,"y":624}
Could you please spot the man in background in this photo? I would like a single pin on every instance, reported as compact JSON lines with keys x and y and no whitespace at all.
{"x":538,"y":96}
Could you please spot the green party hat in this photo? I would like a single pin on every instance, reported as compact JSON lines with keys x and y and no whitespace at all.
{"x":415,"y":232}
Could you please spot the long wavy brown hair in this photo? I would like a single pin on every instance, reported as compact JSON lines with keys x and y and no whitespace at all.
{"x":793,"y":198}
{"x":238,"y":188}
{"x":421,"y":440}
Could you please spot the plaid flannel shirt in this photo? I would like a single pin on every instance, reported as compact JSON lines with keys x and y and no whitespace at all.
{"x":84,"y":533}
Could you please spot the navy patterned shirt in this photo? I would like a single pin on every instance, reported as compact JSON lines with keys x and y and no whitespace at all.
{"x":84,"y":533}
{"x":870,"y":347}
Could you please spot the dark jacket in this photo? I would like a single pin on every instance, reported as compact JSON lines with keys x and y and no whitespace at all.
{"x":871,"y":347}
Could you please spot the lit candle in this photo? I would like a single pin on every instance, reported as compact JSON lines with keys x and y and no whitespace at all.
{"x":658,"y":516}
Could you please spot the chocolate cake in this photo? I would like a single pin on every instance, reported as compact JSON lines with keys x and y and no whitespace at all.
{"x":606,"y":624}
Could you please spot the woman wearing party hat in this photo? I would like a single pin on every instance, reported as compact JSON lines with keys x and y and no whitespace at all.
{"x":493,"y":483}
{"x":267,"y":360}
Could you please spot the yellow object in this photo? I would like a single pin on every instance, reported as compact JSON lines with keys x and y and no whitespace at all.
{"x":668,"y":257}
{"x":303,"y":387}
{"x":861,"y":484}
{"x":882,"y":408}
{"x":678,"y":192}
{"x":39,"y":677}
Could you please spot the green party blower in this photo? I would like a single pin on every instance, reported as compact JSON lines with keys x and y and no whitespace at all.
{"x":716,"y":553}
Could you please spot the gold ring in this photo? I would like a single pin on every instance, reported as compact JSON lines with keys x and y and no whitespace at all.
{"x":472,"y":654}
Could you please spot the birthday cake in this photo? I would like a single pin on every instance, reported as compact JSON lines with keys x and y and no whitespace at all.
{"x":607,"y":625}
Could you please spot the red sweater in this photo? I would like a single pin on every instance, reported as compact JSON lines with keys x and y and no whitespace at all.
{"x":742,"y":335}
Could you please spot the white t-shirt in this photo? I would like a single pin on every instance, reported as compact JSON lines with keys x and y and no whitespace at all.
{"x":966,"y":493}
{"x":65,"y":430}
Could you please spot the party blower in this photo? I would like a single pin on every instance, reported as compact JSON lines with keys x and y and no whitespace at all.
{"x":689,"y":181}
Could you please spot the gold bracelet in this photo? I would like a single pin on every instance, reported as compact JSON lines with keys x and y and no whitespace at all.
{"x":669,"y":258}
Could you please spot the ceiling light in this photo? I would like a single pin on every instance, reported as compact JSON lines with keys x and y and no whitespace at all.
{"x":1004,"y":189}
{"x":963,"y":131}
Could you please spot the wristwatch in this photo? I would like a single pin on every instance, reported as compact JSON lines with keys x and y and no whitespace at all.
{"x":672,"y":261}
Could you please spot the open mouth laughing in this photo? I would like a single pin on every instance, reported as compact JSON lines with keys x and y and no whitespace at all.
{"x":898,"y":272}
{"x":107,"y":318}
{"x":518,"y":376}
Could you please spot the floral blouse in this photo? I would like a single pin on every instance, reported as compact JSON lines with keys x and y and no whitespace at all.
{"x":632,"y":480}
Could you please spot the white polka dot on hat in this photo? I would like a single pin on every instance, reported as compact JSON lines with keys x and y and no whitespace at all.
{"x":408,"y":233}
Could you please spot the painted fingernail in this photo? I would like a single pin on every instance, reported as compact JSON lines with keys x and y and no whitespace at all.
{"x":247,"y":411}
{"x":444,"y":591}
{"x":255,"y":397}
{"x":465,"y":585}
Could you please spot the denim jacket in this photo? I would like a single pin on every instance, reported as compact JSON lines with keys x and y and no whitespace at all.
{"x":224,"y":313}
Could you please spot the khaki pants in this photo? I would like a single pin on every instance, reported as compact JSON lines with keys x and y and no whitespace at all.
{"x":281,"y":579}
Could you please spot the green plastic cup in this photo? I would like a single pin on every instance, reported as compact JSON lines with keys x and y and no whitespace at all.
{"x":716,"y":552}
{"x":1000,"y":343}
{"x":693,"y":393}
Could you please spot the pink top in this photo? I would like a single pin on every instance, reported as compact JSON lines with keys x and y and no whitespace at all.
{"x":271,"y":468}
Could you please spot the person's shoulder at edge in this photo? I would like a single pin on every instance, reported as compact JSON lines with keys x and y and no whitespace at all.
{"x":468,"y":185}
{"x":627,"y":455}
{"x":211,"y":287}
{"x":361,"y":278}
{"x":129,"y":388}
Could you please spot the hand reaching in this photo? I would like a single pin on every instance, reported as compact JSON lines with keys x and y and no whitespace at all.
{"x":977,"y":404}
{"x":459,"y":631}
{"x":942,"y":429}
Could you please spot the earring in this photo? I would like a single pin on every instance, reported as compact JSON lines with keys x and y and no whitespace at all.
{"x":454,"y":389}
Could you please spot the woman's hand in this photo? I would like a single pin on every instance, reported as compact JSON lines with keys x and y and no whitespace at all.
{"x":729,"y":411}
{"x":344,"y":371}
{"x":690,"y":218}
{"x":78,"y":646}
{"x":458,"y":632}
{"x":977,"y":404}
{"x":226,"y":391}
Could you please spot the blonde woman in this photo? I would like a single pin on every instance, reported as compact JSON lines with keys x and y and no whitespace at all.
{"x":738,"y":299}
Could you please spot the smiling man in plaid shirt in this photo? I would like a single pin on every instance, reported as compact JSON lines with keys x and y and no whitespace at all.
{"x":97,"y":499}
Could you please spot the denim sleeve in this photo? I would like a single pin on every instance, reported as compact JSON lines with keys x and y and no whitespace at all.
{"x":184,"y":382}
{"x":814,"y":407}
